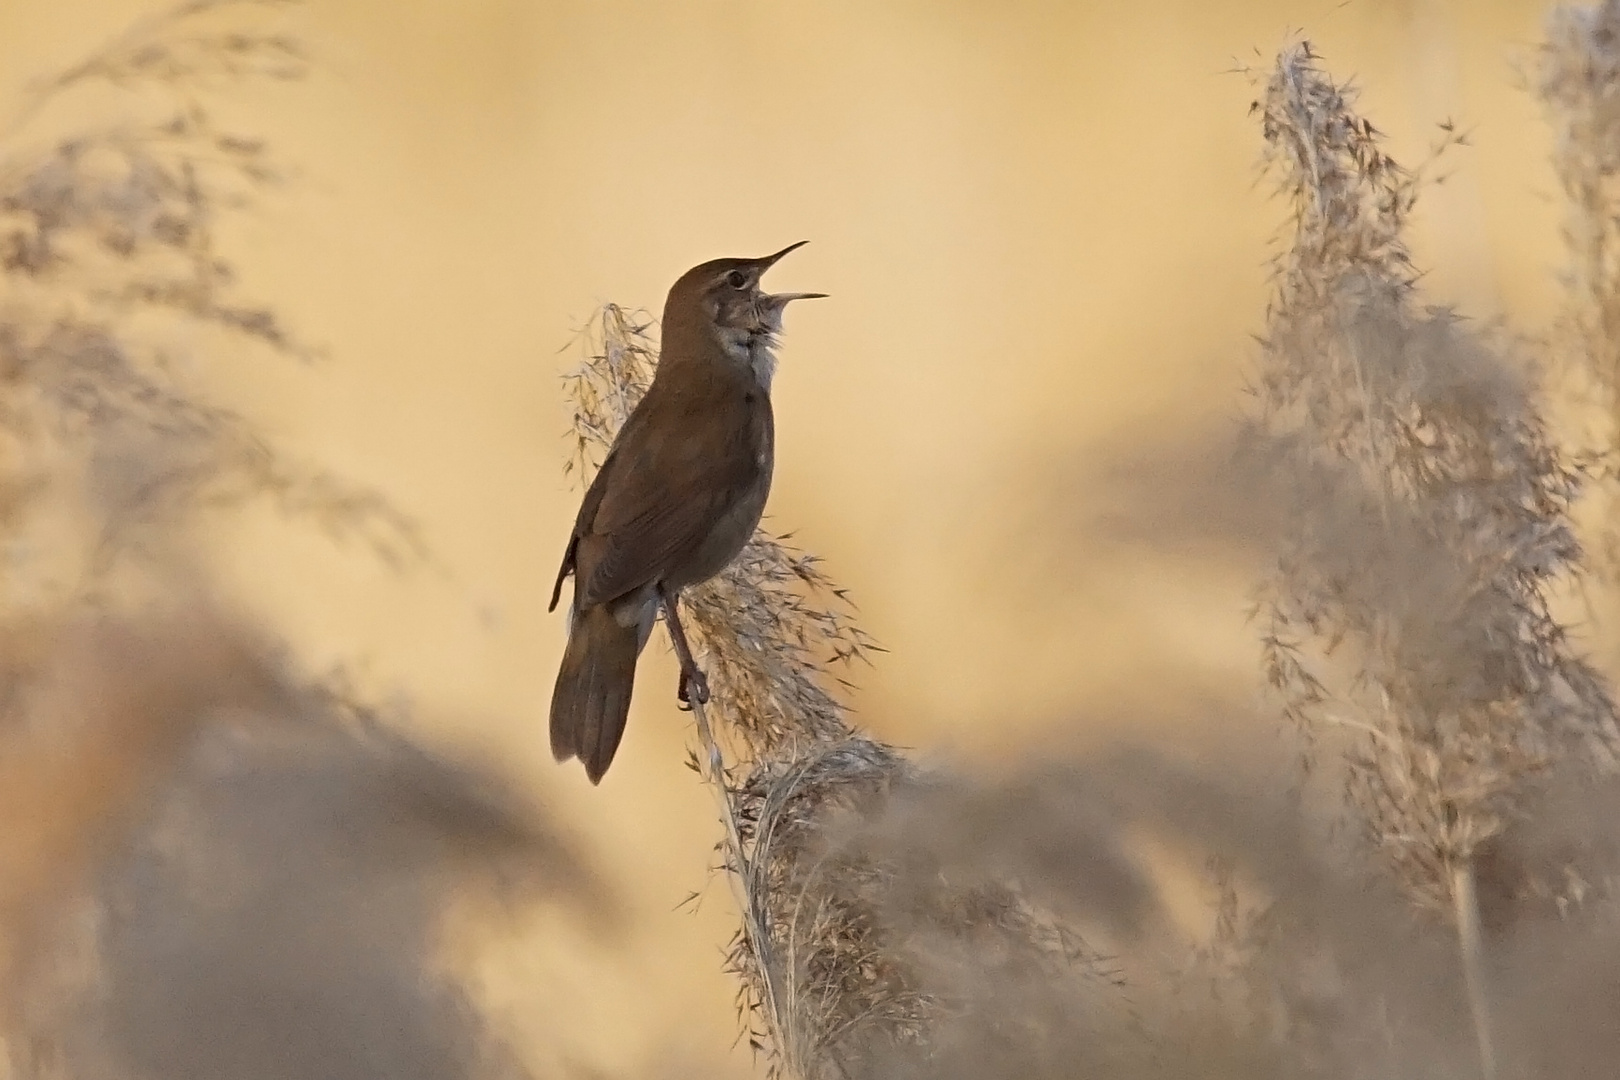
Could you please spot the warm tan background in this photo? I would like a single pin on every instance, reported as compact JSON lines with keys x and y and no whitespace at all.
{"x":1041,"y":231}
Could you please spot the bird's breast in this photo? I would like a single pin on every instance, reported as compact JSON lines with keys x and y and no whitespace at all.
{"x":726,"y":538}
{"x":740,"y":513}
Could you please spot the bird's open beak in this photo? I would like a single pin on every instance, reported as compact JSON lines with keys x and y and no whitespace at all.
{"x":770,"y":260}
{"x":771,"y":305}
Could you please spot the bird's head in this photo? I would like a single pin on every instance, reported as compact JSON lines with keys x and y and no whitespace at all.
{"x":722,"y":301}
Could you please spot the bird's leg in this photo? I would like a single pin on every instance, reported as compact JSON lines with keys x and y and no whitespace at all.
{"x":692,"y":685}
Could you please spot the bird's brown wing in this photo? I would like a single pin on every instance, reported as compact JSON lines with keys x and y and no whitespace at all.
{"x":672,"y":478}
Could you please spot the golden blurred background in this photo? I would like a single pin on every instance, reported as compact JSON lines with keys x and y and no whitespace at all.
{"x":1041,"y":228}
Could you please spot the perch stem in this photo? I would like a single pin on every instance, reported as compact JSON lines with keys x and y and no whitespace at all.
{"x":742,"y":877}
{"x":1470,"y":944}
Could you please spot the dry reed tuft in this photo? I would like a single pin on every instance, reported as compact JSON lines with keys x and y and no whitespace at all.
{"x":1576,"y":82}
{"x":1410,"y":609}
{"x":117,"y":290}
{"x":214,"y":870}
{"x":116,"y":297}
{"x":899,"y":945}
{"x":821,"y":941}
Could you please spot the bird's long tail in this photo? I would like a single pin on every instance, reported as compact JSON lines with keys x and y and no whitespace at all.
{"x":592,"y":699}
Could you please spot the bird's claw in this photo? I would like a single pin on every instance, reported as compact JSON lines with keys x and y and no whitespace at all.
{"x":693,"y":685}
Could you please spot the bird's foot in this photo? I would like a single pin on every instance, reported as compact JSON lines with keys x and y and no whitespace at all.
{"x":693,"y":686}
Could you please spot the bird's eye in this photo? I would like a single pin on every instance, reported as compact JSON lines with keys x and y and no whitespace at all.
{"x":737,"y":279}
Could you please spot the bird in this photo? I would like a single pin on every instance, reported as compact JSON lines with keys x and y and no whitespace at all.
{"x":679,"y":494}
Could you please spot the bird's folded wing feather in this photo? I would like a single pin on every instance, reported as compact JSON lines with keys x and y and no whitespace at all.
{"x":658,"y":507}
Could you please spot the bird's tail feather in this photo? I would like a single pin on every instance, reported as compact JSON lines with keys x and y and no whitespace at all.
{"x":592,"y":699}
